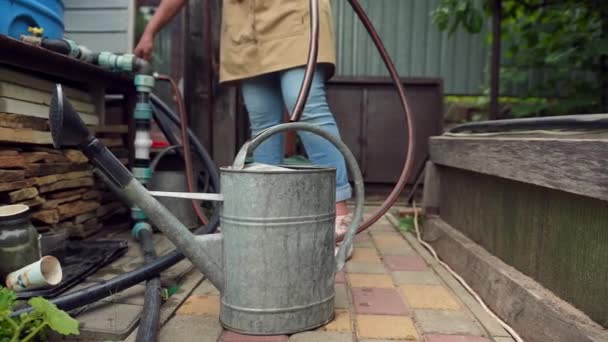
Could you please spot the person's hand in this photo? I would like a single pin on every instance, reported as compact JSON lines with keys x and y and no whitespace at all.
{"x":144,"y":47}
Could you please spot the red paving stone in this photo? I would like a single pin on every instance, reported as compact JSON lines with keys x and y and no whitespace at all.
{"x":229,"y":336}
{"x":454,"y":338}
{"x":378,"y":301}
{"x":340,"y":277}
{"x":405,"y":263}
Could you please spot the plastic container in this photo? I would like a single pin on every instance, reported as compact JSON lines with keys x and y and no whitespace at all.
{"x":16,"y":16}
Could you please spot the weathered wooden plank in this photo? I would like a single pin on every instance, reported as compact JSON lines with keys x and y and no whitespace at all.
{"x":533,"y":311}
{"x":24,"y":122}
{"x":54,"y":203}
{"x":8,"y":152}
{"x":573,"y":165}
{"x":67,"y":193}
{"x":39,"y":170}
{"x":90,"y":195}
{"x":22,"y":194}
{"x":76,"y":208}
{"x":62,"y":176}
{"x":76,"y":156}
{"x":112,"y":142}
{"x":34,"y":157}
{"x":8,"y":186}
{"x":116,"y":129}
{"x":12,"y":106}
{"x":25,"y":136}
{"x":28,"y":94}
{"x":10,"y":162}
{"x":431,"y":190}
{"x":11,"y":175}
{"x":30,"y":81}
{"x":85,"y":217}
{"x":67,"y":184}
{"x":34,"y":202}
{"x":47,"y":216}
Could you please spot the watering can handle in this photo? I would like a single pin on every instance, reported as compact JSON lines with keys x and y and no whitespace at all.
{"x":351,"y":162}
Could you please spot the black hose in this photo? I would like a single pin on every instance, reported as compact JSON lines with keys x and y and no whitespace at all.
{"x":588,"y":121}
{"x":210,"y":167}
{"x":126,"y":280}
{"x":148,"y":324}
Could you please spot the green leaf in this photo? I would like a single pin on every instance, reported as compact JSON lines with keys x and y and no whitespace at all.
{"x":57,"y":319}
{"x":7,"y":300}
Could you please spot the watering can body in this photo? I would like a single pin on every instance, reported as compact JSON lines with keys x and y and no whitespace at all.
{"x":278,"y":242}
{"x":274,"y":262}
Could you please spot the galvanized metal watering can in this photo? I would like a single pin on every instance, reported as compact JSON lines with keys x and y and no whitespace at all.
{"x":274,"y":262}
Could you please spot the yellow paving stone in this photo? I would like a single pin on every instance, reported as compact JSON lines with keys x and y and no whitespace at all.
{"x":390,"y":240}
{"x":367,"y":255}
{"x":200,"y":306}
{"x":370,"y":280}
{"x":341,"y":323}
{"x":429,"y":297}
{"x":386,"y":327}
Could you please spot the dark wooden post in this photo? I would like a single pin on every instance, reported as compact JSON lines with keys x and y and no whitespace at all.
{"x":495,"y":61}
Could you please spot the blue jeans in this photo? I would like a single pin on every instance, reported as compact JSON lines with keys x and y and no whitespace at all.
{"x":266,"y":98}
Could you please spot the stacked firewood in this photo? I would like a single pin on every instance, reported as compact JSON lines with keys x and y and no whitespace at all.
{"x":59,"y":185}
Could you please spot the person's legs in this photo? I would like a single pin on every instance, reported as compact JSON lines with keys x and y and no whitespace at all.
{"x":264,"y":102}
{"x":319,"y":150}
{"x":317,"y":112}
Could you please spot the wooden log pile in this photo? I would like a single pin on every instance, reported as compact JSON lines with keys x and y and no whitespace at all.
{"x":59,"y":185}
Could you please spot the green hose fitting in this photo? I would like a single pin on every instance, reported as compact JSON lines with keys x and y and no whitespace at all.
{"x":116,"y":62}
{"x":137,"y":214}
{"x":143,"y":111}
{"x":74,"y":48}
{"x":139,"y":227}
{"x":144,"y":83}
{"x":143,"y":174}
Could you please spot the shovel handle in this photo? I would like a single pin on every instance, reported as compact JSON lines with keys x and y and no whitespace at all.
{"x":351,"y":163}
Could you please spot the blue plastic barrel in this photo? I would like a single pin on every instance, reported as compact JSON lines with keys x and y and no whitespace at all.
{"x":16,"y":16}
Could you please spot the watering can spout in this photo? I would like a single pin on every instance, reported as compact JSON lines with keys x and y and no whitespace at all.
{"x":68,"y":129}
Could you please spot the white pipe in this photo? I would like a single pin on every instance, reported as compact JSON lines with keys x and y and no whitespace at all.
{"x":45,"y":272}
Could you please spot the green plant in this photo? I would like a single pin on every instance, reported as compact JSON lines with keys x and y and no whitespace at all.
{"x":556,"y":49}
{"x":27,"y":326}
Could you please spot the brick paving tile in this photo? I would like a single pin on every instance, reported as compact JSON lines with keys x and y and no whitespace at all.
{"x":230,"y":336}
{"x":429,"y":297}
{"x":365,"y":255}
{"x":340,"y":277}
{"x":454,"y":338}
{"x":191,"y":329}
{"x":415,"y":278}
{"x":386,"y":327}
{"x":200,"y":306}
{"x":376,"y":301}
{"x":447,"y":323}
{"x":340,"y":324}
{"x":365,"y":267}
{"x":321,"y":336}
{"x":341,"y":301}
{"x":405,"y":263}
{"x":370,"y":280}
{"x":363,"y":240}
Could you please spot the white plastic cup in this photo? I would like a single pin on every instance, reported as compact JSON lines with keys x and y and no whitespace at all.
{"x":43,"y":273}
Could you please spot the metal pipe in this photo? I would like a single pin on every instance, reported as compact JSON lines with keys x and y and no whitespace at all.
{"x":587,"y":121}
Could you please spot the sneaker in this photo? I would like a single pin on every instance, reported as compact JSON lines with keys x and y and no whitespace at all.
{"x":342,"y":223}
